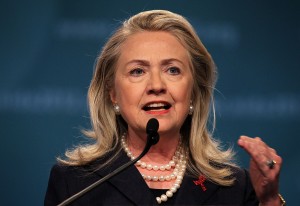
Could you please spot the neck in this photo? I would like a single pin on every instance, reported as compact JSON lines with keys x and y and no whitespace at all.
{"x":162,"y":152}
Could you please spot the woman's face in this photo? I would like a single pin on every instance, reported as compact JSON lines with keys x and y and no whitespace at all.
{"x":153,"y":79}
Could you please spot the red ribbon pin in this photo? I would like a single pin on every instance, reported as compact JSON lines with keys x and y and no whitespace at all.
{"x":200,"y":182}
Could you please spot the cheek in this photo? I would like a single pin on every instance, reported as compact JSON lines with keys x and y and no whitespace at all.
{"x":128,"y":94}
{"x":183,"y":92}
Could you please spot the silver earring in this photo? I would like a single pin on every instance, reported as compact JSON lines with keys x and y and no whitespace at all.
{"x":117,"y":109}
{"x":191,"y":109}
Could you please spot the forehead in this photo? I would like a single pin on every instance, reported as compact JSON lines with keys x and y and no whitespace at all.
{"x":152,"y":43}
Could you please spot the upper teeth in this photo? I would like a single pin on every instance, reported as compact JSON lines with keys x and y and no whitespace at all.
{"x":156,"y":105}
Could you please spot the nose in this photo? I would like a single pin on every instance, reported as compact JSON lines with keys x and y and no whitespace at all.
{"x":156,"y":84}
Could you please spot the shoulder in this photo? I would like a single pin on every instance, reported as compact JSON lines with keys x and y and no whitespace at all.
{"x":60,"y":171}
{"x":102,"y":162}
{"x":65,"y":173}
{"x":65,"y":181}
{"x":57,"y":189}
{"x":61,"y":175}
{"x":243,"y":186}
{"x":241,"y":175}
{"x":74,"y":175}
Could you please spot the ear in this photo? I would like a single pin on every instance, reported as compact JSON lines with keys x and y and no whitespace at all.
{"x":112,"y":94}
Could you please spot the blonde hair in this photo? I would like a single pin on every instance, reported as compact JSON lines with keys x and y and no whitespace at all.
{"x":206,"y":156}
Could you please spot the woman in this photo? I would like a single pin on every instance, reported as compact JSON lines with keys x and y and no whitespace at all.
{"x":155,"y":65}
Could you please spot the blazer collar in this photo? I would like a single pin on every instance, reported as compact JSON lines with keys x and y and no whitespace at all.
{"x":129,"y":182}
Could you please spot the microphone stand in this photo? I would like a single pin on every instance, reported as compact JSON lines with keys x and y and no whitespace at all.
{"x":151,"y":140}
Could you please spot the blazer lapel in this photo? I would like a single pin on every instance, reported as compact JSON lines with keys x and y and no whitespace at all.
{"x":129,"y":182}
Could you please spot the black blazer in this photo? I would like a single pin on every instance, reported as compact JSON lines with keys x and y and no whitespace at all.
{"x":129,"y":188}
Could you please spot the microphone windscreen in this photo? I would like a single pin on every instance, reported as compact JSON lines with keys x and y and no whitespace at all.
{"x":152,"y":126}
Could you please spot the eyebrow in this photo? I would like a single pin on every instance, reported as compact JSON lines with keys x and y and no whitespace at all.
{"x":147,"y":63}
{"x":139,"y":61}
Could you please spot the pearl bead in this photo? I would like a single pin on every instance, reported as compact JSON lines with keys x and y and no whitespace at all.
{"x":155,"y":167}
{"x":161,"y":178}
{"x":164,"y":197}
{"x":168,"y":178}
{"x":168,"y":167}
{"x":173,"y":189}
{"x":158,"y":200}
{"x":149,"y":167}
{"x":178,"y":181}
{"x":143,"y":165}
{"x":176,"y":185}
{"x":169,"y":193}
{"x":155,"y":178}
{"x":138,"y":163}
{"x":172,"y":163}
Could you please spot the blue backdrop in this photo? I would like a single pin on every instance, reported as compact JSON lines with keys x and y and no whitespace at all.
{"x":48,"y":49}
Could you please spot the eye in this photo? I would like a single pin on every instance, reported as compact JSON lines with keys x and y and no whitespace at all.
{"x":173,"y":70}
{"x":136,"y":72}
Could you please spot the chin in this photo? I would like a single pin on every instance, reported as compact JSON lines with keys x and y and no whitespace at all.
{"x":168,"y":130}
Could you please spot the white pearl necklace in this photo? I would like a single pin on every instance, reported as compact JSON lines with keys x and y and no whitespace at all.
{"x":178,"y":162}
{"x":143,"y":165}
{"x":155,"y":167}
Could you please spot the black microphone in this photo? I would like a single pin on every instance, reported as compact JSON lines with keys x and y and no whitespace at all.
{"x":152,"y":139}
{"x":151,"y":130}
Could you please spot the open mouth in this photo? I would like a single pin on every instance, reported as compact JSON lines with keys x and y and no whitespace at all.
{"x":156,"y":106}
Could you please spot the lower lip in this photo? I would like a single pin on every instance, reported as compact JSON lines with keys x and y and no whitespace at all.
{"x":158,"y":112}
